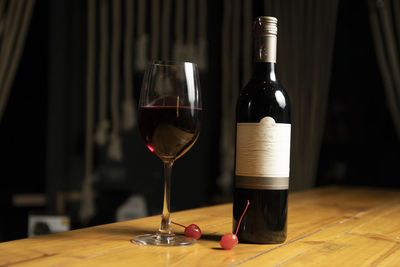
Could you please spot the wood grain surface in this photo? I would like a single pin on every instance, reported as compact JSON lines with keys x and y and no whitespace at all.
{"x":332,"y":226}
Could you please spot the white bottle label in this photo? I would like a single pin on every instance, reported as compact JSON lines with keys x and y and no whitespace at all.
{"x":263,"y":155}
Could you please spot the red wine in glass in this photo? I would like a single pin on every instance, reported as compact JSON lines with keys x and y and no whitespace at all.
{"x":169,"y":131}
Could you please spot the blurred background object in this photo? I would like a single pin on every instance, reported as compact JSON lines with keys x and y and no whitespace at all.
{"x":71,"y":70}
{"x":47,"y":224}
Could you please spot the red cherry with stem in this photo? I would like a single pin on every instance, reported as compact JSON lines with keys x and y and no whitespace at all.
{"x":192,"y":230}
{"x":228,"y":241}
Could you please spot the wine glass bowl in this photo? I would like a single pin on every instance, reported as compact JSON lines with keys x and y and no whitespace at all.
{"x":169,"y":130}
{"x":169,"y":118}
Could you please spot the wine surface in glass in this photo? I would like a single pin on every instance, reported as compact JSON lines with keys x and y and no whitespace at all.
{"x":169,"y":131}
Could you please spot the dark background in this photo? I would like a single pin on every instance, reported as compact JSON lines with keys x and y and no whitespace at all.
{"x":43,"y":129}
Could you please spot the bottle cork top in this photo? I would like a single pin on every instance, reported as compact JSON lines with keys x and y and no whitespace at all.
{"x":264,"y":26}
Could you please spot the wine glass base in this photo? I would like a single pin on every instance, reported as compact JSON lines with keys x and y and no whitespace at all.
{"x":156,"y":240}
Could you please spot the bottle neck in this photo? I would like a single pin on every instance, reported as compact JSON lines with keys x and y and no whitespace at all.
{"x":265,"y":69}
{"x":265,"y":48}
{"x":265,"y":56}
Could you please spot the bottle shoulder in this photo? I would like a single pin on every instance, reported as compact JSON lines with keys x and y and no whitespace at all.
{"x":257,"y":86}
{"x":261,"y":98}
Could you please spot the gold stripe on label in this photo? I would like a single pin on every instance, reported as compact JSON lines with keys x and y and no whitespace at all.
{"x":253,"y":182}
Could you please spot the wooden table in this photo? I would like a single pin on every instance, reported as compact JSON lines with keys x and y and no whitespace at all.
{"x":329,"y":226}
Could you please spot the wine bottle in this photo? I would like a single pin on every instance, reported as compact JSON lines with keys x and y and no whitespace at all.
{"x":262,"y":145}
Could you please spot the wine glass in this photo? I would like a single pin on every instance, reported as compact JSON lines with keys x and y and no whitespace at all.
{"x":169,"y":122}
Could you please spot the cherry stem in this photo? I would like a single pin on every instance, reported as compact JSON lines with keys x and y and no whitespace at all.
{"x":178,"y":224}
{"x":241,"y":217}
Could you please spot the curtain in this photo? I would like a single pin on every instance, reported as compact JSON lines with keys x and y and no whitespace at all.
{"x":305,"y":45}
{"x":385,"y":26}
{"x":15,"y":17}
{"x":305,"y":48}
{"x":306,"y":32}
{"x":122,"y":36}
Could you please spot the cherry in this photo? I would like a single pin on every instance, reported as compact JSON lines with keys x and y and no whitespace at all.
{"x":228,"y":241}
{"x":192,"y":230}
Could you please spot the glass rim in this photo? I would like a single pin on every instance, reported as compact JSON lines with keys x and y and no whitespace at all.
{"x":170,"y":63}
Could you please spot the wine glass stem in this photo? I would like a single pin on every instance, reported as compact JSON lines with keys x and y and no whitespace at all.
{"x":165,"y":228}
